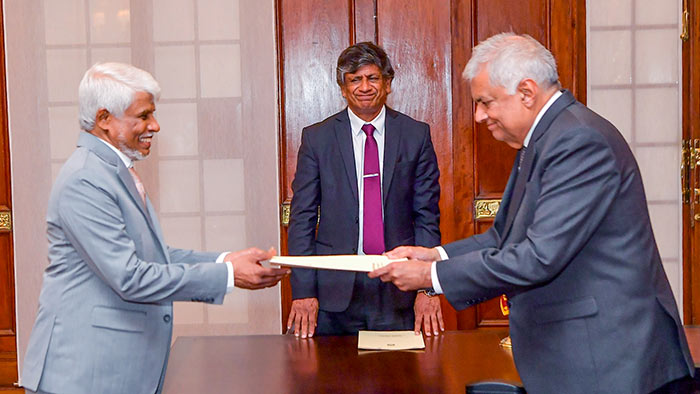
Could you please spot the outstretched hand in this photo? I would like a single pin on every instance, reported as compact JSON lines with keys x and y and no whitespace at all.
{"x":414,"y":253}
{"x":406,"y":275}
{"x":248,"y":273}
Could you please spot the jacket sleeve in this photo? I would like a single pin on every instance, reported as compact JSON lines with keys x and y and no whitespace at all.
{"x":306,"y":189}
{"x":579,"y":182}
{"x":426,"y":196}
{"x":93,"y":223}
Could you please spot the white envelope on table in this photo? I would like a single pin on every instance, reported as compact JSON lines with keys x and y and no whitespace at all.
{"x":389,"y":340}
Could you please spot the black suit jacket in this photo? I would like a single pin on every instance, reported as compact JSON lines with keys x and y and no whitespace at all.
{"x":572,"y":246}
{"x":326,"y":178}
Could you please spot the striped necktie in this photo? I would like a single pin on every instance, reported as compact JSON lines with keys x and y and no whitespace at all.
{"x":139,"y":184}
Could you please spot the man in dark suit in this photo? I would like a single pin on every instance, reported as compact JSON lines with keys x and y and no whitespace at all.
{"x":371,"y":174}
{"x":591,"y":309}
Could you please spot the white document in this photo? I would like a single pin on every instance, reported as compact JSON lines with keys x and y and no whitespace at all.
{"x":389,"y":340}
{"x":353,"y":262}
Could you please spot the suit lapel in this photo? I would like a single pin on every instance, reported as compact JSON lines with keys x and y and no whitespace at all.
{"x":105,"y":153}
{"x":392,"y":136}
{"x":553,"y":111}
{"x":499,"y":222}
{"x":518,"y":189}
{"x":128,"y":182}
{"x":343,"y":134}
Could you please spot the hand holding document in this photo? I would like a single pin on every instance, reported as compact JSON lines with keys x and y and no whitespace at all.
{"x":389,"y":340}
{"x":366,"y":263}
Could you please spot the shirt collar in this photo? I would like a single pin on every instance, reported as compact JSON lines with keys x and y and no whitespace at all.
{"x":128,"y":163}
{"x":378,"y":122}
{"x":544,"y":109}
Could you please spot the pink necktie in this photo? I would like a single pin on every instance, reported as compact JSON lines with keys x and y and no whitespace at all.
{"x":373,"y":224}
{"x":139,"y":184}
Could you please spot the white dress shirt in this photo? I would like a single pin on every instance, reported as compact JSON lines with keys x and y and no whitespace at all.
{"x":128,"y":163}
{"x":358,"y":146}
{"x":440,"y":249}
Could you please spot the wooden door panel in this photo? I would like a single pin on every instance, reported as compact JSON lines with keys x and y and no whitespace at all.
{"x":494,"y":159}
{"x":416,"y":35}
{"x":691,"y":133}
{"x":364,"y":22}
{"x":8,"y":344}
{"x":311,"y":33}
{"x":519,"y":16}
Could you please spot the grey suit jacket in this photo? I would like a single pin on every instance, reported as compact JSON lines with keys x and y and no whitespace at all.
{"x":591,"y":307}
{"x":326,"y":178}
{"x":104,"y":322}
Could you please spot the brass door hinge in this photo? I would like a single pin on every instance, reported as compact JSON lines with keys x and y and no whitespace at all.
{"x":685,"y":171}
{"x":690,"y":177}
{"x":486,"y":209}
{"x":5,"y":221}
{"x":285,"y":211}
{"x":685,"y":20}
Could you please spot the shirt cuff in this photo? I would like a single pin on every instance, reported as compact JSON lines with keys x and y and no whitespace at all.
{"x":229,"y":282}
{"x":434,"y":277}
{"x":441,"y":251}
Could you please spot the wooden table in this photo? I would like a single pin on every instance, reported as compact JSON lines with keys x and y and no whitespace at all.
{"x":285,"y":364}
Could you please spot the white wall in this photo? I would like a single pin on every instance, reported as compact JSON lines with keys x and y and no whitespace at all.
{"x":213,"y":172}
{"x":634,"y":63}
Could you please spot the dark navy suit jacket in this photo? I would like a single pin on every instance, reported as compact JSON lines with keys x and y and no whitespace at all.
{"x":572,"y":246}
{"x":326,"y":178}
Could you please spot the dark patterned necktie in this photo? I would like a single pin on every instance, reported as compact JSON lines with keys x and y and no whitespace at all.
{"x":373,"y":224}
{"x":522,"y":156}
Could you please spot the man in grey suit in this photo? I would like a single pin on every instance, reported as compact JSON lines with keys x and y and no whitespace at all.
{"x":591,"y":309}
{"x":104,"y":322}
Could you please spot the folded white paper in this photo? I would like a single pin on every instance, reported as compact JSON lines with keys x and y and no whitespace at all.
{"x":353,"y":262}
{"x":389,"y":340}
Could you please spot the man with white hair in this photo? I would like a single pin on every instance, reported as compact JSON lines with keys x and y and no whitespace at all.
{"x":591,"y":309}
{"x":104,"y":322}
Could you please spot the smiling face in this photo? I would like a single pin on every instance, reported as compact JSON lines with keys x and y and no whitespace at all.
{"x":507,"y":116}
{"x":131,"y":133}
{"x":366,"y":91}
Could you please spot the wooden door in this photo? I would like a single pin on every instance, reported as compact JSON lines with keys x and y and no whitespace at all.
{"x":690,"y":167}
{"x":8,"y":343}
{"x":429,"y":43}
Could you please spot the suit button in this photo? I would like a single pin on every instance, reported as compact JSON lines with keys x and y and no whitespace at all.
{"x":354,"y":250}
{"x":166,"y":318}
{"x":357,"y":219}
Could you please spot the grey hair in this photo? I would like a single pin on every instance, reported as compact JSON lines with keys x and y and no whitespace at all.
{"x":510,"y":59}
{"x":111,"y":86}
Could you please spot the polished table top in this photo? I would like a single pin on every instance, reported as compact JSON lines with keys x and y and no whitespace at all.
{"x":285,"y":364}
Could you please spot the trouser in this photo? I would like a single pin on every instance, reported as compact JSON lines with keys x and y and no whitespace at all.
{"x":371,"y":308}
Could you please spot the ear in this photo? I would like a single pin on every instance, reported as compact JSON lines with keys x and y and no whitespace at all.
{"x":388,"y":85}
{"x":103,"y":118}
{"x":527,"y":91}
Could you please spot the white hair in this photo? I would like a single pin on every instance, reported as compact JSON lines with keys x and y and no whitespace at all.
{"x":510,"y":59}
{"x":111,"y":86}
